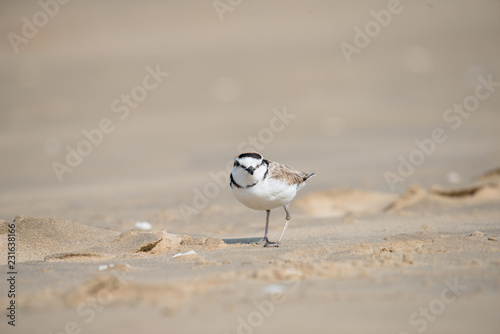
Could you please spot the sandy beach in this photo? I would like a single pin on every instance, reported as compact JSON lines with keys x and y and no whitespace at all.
{"x":119,"y":123}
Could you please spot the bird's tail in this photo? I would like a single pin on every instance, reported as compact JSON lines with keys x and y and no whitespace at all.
{"x":308,"y":176}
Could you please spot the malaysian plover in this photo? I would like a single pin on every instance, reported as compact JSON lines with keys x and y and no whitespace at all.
{"x":261,"y":184}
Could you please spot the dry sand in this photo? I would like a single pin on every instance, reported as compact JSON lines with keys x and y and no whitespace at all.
{"x":357,"y":257}
{"x":399,"y":258}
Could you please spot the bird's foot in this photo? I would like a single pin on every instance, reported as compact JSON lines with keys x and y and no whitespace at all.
{"x":272,"y":244}
{"x":264,"y":241}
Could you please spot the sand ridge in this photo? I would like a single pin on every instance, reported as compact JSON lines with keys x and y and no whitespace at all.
{"x":353,"y":202}
{"x":56,"y":239}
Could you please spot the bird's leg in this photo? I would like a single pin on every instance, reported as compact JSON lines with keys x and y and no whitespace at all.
{"x":277,"y":244}
{"x":266,"y":240}
{"x":268,"y":214}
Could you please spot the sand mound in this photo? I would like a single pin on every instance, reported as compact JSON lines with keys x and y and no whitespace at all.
{"x":341,"y":202}
{"x":38,"y":237}
{"x":417,"y":199}
{"x":55,"y":239}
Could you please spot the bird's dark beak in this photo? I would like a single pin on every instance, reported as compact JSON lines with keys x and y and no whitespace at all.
{"x":251,"y":170}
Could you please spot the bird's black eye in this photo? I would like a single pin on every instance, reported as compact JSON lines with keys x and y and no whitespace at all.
{"x":236,"y":163}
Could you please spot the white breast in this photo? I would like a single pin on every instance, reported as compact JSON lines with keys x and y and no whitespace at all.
{"x":266,"y":195}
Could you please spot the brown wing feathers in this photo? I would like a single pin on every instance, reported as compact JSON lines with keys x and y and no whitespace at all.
{"x":291,"y":176}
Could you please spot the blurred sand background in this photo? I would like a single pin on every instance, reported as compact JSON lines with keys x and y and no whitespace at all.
{"x":357,"y":256}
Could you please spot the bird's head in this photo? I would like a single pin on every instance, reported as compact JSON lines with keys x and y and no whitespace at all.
{"x":249,"y":167}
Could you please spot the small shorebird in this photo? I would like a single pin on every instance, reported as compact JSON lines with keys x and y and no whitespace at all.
{"x":261,"y":184}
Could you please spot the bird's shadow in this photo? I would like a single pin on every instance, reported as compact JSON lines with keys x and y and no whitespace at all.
{"x":242,"y":241}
